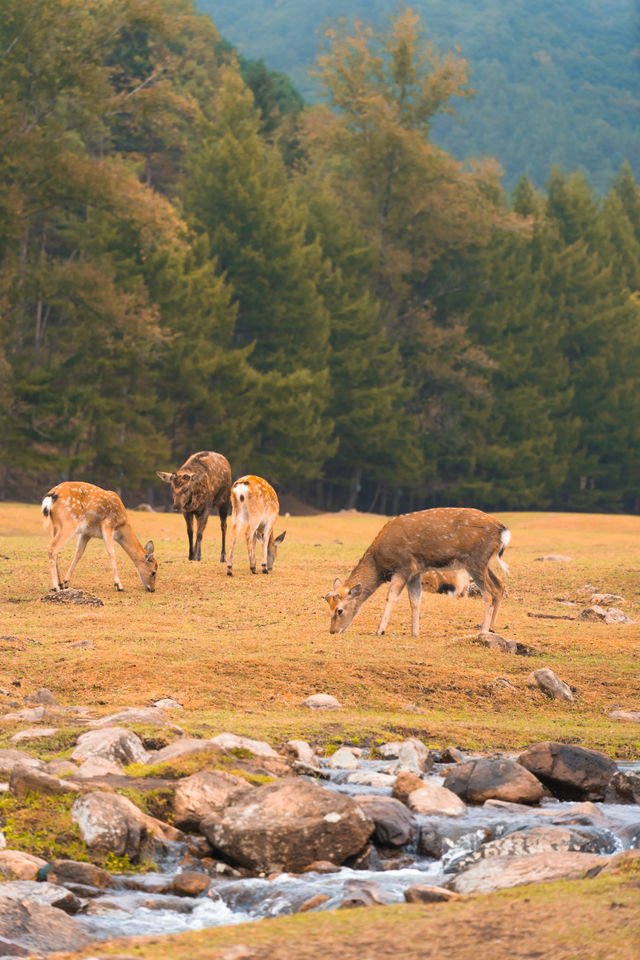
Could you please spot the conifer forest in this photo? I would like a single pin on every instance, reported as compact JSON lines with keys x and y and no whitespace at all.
{"x":195,"y":256}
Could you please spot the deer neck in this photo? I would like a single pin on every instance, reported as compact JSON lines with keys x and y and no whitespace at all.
{"x":366,"y":573}
{"x":130,"y":544}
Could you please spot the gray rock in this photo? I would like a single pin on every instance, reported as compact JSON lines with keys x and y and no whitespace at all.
{"x":623,"y":787}
{"x":168,"y":703}
{"x":24,"y":780}
{"x":598,"y":614}
{"x":551,"y":685}
{"x":555,"y":558}
{"x":231,"y":741}
{"x":148,"y":716}
{"x":321,"y":701}
{"x":43,"y":696}
{"x":498,"y":873}
{"x":16,"y":865}
{"x":110,"y":823}
{"x":33,"y":733}
{"x":630,"y":716}
{"x":569,"y":771}
{"x":343,"y":759}
{"x":47,"y":893}
{"x":37,"y":928}
{"x":420,"y":893}
{"x":11,"y":758}
{"x":434,"y":801}
{"x":394,"y":824}
{"x":485,"y":778}
{"x":205,"y":793}
{"x":116,"y":744}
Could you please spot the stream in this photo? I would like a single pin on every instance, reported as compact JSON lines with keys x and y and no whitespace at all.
{"x":151,"y":910}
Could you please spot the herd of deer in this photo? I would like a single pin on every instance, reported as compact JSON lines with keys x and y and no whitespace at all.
{"x":443,"y":549}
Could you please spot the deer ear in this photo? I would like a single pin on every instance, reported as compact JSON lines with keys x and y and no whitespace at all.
{"x":281,"y":537}
{"x":148,"y":549}
{"x":355,"y":590}
{"x":337,"y":583}
{"x":165,"y":476}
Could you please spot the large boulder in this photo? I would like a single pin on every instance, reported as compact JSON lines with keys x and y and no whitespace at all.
{"x":12,"y":758}
{"x":413,"y":757}
{"x":624,"y":787}
{"x":343,"y":759}
{"x":49,"y":893}
{"x":570,"y":772}
{"x":28,"y":928}
{"x":435,"y":801}
{"x":485,"y":778}
{"x":74,"y":874}
{"x":395,"y":826}
{"x":542,"y":840}
{"x":27,"y":779}
{"x":110,"y":823}
{"x":16,"y":865}
{"x":204,"y":793}
{"x":117,"y":744}
{"x":285,"y":826}
{"x":498,"y":873}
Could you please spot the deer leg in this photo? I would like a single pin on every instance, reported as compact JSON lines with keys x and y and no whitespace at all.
{"x":188,"y":519}
{"x":267,"y":534}
{"x":81,"y":546}
{"x":414,"y":589}
{"x":202,"y":522}
{"x":395,"y":589}
{"x":233,"y":536}
{"x":55,"y":546}
{"x":224,"y":510}
{"x":107,"y":536}
{"x":251,"y":537}
{"x":496,"y":588}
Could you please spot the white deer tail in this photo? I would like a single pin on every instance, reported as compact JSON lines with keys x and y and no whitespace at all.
{"x":505,"y":537}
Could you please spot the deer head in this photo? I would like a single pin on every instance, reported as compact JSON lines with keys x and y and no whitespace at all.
{"x":344,"y":602}
{"x":148,"y":567}
{"x":181,"y":487}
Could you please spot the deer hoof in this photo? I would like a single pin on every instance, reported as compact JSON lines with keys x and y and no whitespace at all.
{"x":119,"y":588}
{"x":253,"y":570}
{"x":264,"y":570}
{"x":229,"y":572}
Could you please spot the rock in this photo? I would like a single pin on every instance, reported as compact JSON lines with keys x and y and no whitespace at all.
{"x":630,"y":716}
{"x":475,"y":781}
{"x":452,"y":755}
{"x":321,"y":701}
{"x":322,"y":866}
{"x":360,"y":893}
{"x":570,"y":772}
{"x":73,"y":873}
{"x":83,"y":644}
{"x":168,"y":703}
{"x":370,"y":778}
{"x":205,"y":793}
{"x":257,"y":748}
{"x":343,"y":759}
{"x":145,"y":508}
{"x":97,"y":767}
{"x":302,"y":751}
{"x":60,"y":766}
{"x":28,"y":715}
{"x":313,"y":902}
{"x":606,"y":599}
{"x":33,"y":733}
{"x":496,"y":642}
{"x":603,"y":615}
{"x":623,"y":787}
{"x":426,"y":894}
{"x":16,"y":865}
{"x":541,"y":840}
{"x":110,"y":823}
{"x":585,"y":813}
{"x":555,"y":558}
{"x":38,"y":928}
{"x":149,"y":716}
{"x":413,"y":757}
{"x":390,"y":751}
{"x":116,"y":744}
{"x":285,"y":826}
{"x":394,"y":825}
{"x":3,"y":841}
{"x":190,"y":884}
{"x":47,"y":893}
{"x":546,"y":680}
{"x":24,"y":780}
{"x":443,"y":837}
{"x":498,"y":873}
{"x":183,"y":747}
{"x":404,"y":784}
{"x":43,"y":696}
{"x":435,"y":801}
{"x":11,"y":758}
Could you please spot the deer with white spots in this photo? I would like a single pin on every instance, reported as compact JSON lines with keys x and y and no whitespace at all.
{"x":87,"y":511}
{"x":256,"y":508}
{"x":451,"y":581}
{"x":409,"y":545}
{"x":202,"y":483}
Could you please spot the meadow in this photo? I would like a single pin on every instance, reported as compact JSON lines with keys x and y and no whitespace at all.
{"x":241,"y":654}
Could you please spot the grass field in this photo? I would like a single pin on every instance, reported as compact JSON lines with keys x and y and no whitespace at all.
{"x":241,"y":654}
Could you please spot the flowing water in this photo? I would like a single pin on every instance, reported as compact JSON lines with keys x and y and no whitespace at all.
{"x":152,"y":910}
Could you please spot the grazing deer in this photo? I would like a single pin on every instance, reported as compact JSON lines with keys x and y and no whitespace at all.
{"x":453,"y":581}
{"x":90,"y":511}
{"x":202,"y":483}
{"x":411,"y":544}
{"x":255,"y":507}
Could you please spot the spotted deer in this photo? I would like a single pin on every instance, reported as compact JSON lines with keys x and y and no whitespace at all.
{"x":200,"y":484}
{"x":255,"y":507}
{"x":89,"y":511}
{"x":409,"y":545}
{"x":453,"y":581}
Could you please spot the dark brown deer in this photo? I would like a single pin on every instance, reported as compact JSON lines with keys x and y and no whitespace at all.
{"x":411,"y":544}
{"x":202,"y":483}
{"x":89,"y":511}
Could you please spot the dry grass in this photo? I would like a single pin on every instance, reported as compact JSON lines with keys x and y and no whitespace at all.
{"x":242,"y":653}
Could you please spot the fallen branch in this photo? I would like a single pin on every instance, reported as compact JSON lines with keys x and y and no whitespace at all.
{"x":550,"y":616}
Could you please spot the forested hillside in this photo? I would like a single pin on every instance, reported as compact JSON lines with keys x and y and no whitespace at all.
{"x":189,"y":259}
{"x":556,"y":82}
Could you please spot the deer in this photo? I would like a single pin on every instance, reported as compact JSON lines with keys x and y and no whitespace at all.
{"x":453,"y":581}
{"x":256,"y":508}
{"x":89,"y":511}
{"x":200,"y":484}
{"x":412,"y":543}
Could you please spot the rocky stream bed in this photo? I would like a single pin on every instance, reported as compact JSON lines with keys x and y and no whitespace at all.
{"x":256,"y":832}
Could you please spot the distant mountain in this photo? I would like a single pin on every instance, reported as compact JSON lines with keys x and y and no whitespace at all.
{"x":557,"y":81}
